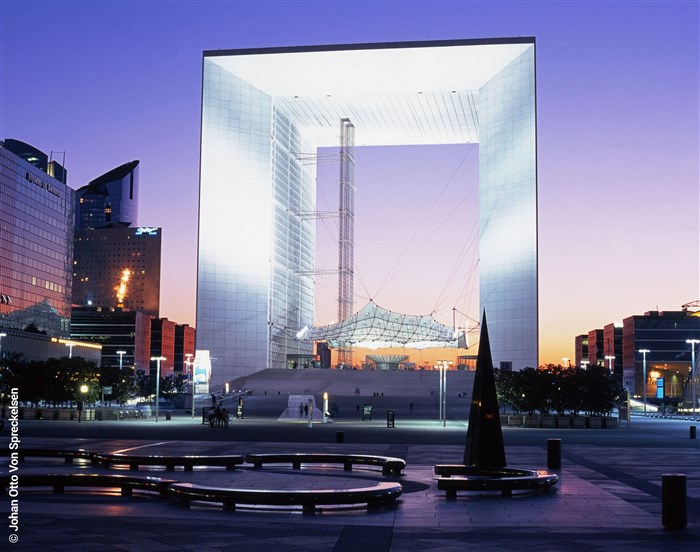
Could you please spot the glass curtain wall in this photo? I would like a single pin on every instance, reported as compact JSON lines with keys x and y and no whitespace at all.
{"x":508,"y":211}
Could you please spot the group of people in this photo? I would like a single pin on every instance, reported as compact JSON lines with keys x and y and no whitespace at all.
{"x":218,"y":415}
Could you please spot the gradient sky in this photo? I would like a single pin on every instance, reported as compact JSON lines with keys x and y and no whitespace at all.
{"x":618,"y":141}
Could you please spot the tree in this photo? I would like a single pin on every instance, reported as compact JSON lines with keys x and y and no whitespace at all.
{"x":145,"y":384}
{"x":121,"y":381}
{"x":554,"y":388}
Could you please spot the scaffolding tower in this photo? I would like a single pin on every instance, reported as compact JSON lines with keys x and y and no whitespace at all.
{"x":346,"y":234}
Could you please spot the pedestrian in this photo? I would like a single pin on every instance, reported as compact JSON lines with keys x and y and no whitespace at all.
{"x":306,"y":410}
{"x":301,"y":410}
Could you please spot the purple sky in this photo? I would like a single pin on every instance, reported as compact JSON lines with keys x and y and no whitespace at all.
{"x":618,"y":138}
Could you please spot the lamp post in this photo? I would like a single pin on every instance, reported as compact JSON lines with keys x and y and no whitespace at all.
{"x":158,"y":361}
{"x":70,"y":346}
{"x":610,"y":359}
{"x":325,"y":407}
{"x":565,"y":360}
{"x":83,"y":390}
{"x":693,"y":376}
{"x":190,"y":372}
{"x":1,"y":336}
{"x":442,"y":366}
{"x":121,"y":358}
{"x":644,"y":373}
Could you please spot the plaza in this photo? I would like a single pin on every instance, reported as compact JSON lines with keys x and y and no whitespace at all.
{"x":608,"y":496}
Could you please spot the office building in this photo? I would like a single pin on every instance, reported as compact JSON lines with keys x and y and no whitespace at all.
{"x":118,"y":267}
{"x":37,"y":158}
{"x":184,"y":346}
{"x":110,"y":198}
{"x":664,"y":336}
{"x":263,"y":110}
{"x":581,"y":350}
{"x":596,"y":347}
{"x":612,"y":347}
{"x":36,"y":244}
{"x":163,"y":345}
{"x":115,"y":330}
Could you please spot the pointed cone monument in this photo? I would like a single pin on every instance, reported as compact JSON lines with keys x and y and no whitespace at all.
{"x":484,"y":448}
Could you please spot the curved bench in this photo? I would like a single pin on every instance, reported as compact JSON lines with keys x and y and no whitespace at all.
{"x":58,"y":482}
{"x":504,"y":479}
{"x":376,"y":496}
{"x":187,"y":462}
{"x":67,"y":455}
{"x":388,"y":464}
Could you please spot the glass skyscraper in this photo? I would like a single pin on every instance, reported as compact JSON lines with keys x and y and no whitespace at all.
{"x":110,"y":198}
{"x":265,"y":110}
{"x":36,"y":247}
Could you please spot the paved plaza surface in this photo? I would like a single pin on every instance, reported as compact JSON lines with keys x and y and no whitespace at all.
{"x":608,"y":497}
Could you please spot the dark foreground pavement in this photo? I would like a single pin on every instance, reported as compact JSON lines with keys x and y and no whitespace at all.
{"x":608,"y":498}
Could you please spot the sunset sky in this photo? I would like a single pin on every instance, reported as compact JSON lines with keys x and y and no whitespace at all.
{"x":618,"y":142}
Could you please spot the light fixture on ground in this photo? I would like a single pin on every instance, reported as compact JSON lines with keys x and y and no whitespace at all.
{"x":644,"y":374}
{"x":693,"y":375}
{"x":158,"y":361}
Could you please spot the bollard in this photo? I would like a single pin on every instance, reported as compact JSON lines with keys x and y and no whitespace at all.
{"x":693,"y":431}
{"x":554,"y":454}
{"x":674,"y":513}
{"x":339,"y":436}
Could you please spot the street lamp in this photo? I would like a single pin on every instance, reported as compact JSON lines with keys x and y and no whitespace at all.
{"x":325,"y":407}
{"x":442,"y":366}
{"x":70,"y":346}
{"x":693,"y":377}
{"x":83,"y":390}
{"x":644,"y":367}
{"x":158,"y":361}
{"x":121,"y":358}
{"x":190,"y":372}
{"x":565,"y":360}
{"x":610,"y":359}
{"x":1,"y":336}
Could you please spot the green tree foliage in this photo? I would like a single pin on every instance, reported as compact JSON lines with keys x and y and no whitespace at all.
{"x":553,"y":388}
{"x":121,"y":381}
{"x":56,"y":381}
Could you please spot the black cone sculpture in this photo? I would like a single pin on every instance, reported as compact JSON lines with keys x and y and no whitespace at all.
{"x":484,"y":448}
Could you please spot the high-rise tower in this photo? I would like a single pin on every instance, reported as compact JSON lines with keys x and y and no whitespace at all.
{"x":110,"y":198}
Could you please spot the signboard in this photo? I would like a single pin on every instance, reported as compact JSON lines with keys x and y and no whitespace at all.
{"x":107,"y":389}
{"x":660,"y":388}
{"x":202,"y":370}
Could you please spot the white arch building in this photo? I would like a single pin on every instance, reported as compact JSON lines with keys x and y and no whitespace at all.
{"x":263,"y":110}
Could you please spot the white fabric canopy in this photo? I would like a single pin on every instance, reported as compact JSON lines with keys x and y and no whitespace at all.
{"x":374,"y":327}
